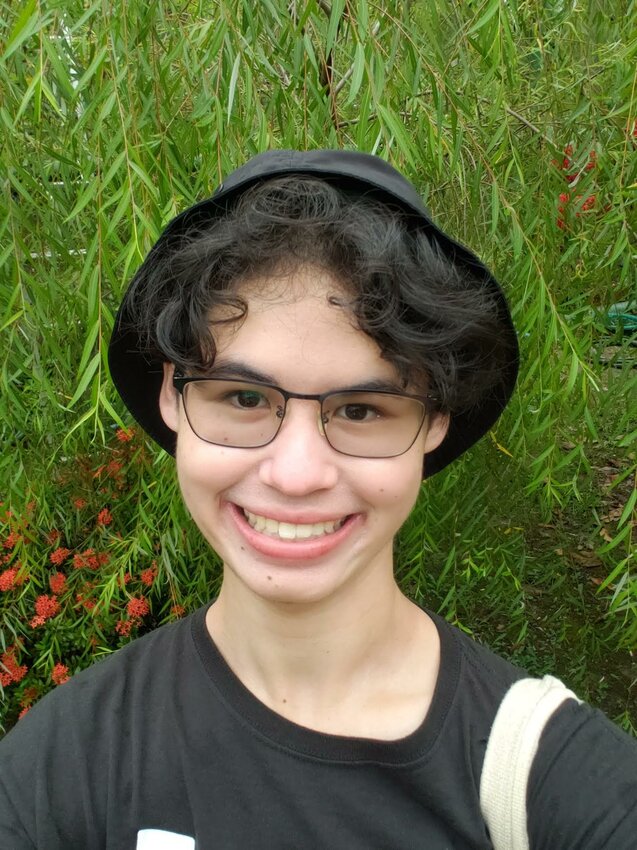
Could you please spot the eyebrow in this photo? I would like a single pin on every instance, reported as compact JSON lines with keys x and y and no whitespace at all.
{"x":232,"y":369}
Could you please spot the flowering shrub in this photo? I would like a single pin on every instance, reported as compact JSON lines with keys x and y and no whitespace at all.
{"x":74,"y":592}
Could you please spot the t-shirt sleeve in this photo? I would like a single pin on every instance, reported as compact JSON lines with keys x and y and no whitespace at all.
{"x":46,"y":779}
{"x":582,"y":792}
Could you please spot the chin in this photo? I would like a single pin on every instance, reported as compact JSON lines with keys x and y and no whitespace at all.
{"x":283,"y":586}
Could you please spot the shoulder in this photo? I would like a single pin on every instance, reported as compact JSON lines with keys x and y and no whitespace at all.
{"x":480,"y":677}
{"x":101,"y":690}
{"x":82,"y":736}
{"x":582,"y":786}
{"x":75,"y":756}
{"x":472,"y":683}
{"x":582,"y":789}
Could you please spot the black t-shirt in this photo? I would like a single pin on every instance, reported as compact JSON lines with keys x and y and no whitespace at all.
{"x":160,"y":746}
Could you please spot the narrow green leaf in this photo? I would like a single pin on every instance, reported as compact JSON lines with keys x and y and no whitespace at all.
{"x":88,"y":346}
{"x":493,"y":8}
{"x":89,"y":194}
{"x":357,"y":73}
{"x":61,"y":71}
{"x":572,"y":374}
{"x":495,"y":207}
{"x":11,"y":320}
{"x":92,"y":69}
{"x":397,"y":129}
{"x":85,"y":379}
{"x":628,"y":508}
{"x":336,"y":15}
{"x":25,"y":25}
{"x":616,"y":541}
{"x":26,"y":99}
{"x":233,"y":85}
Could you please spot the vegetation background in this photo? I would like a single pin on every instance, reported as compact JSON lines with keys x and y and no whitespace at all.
{"x":517,"y":118}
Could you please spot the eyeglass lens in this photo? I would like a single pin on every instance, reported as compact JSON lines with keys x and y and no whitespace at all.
{"x":358,"y":423}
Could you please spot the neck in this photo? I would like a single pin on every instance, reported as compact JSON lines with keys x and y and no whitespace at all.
{"x":304,"y":659}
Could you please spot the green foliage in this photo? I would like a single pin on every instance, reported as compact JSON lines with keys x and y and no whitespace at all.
{"x":517,"y":120}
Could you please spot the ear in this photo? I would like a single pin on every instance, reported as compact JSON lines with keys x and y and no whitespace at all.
{"x":169,"y":399}
{"x":437,"y":429}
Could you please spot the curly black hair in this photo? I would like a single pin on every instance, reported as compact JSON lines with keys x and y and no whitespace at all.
{"x":432,"y":318}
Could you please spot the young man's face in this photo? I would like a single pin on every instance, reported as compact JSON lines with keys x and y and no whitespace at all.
{"x":305,"y":345}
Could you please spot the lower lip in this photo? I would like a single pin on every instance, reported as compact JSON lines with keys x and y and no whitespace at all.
{"x":290,"y":550}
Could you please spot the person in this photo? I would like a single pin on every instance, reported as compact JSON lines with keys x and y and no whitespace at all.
{"x":309,"y":345}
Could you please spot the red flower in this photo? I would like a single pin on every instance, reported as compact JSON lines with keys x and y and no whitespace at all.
{"x":60,"y":674}
{"x":8,"y":579}
{"x":23,"y":712}
{"x":81,"y":560}
{"x":10,"y":670}
{"x":85,"y":601}
{"x":59,"y":556}
{"x":104,"y":517}
{"x":47,"y":606}
{"x":114,"y":467}
{"x":29,"y":695}
{"x":148,"y":576}
{"x":88,"y":558}
{"x":57,"y":583}
{"x":79,"y":503}
{"x":124,"y":627}
{"x":587,"y":204}
{"x":52,"y":536}
{"x":178,"y":610}
{"x":11,"y":540}
{"x":124,"y":436}
{"x":137,"y":607}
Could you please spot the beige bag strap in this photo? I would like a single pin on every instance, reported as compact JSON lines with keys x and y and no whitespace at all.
{"x":523,"y":713}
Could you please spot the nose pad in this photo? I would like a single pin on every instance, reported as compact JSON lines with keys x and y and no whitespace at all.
{"x":321,"y":421}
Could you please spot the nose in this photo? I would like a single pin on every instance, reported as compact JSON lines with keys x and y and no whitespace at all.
{"x":300,"y":460}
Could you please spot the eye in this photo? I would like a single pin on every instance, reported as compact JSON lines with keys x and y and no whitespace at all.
{"x":357,"y":412}
{"x":247,"y":399}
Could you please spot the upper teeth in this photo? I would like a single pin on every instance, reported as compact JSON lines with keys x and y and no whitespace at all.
{"x":290,"y":531}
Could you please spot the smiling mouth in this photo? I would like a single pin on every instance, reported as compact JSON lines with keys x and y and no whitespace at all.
{"x":289,"y":530}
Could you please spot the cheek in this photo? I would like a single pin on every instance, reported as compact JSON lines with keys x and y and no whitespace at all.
{"x":203,"y":472}
{"x":396,"y":488}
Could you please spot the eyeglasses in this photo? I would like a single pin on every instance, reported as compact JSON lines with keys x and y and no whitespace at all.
{"x":243,"y":415}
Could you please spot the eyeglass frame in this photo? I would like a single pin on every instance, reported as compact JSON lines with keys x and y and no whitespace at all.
{"x":181,"y":381}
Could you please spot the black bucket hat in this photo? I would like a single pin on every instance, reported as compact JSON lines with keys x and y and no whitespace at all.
{"x":138,"y":377}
